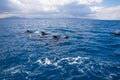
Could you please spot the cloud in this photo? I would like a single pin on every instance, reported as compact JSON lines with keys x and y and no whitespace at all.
{"x":75,"y":9}
{"x":89,"y":2}
{"x":112,"y":13}
{"x":55,"y":8}
{"x":4,"y":6}
{"x":46,"y":8}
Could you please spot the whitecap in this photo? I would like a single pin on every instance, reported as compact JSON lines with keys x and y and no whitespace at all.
{"x":69,"y":60}
{"x":111,"y":75}
{"x":47,"y":61}
{"x":39,"y":61}
{"x":36,"y":32}
{"x":13,"y":70}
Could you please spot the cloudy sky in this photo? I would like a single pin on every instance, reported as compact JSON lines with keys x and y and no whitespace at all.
{"x":93,"y":9}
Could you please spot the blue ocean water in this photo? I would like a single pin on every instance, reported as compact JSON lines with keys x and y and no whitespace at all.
{"x":92,"y":51}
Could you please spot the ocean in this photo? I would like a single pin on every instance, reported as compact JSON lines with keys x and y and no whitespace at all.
{"x":91,"y":51}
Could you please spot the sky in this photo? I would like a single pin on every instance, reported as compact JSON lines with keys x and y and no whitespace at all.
{"x":91,"y":9}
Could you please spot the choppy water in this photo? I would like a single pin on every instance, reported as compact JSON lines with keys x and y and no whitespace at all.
{"x":91,"y":52}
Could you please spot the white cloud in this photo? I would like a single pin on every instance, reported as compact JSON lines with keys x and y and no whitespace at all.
{"x":89,"y":2}
{"x":55,"y":8}
{"x":4,"y":15}
{"x":42,"y":7}
{"x":106,"y":13}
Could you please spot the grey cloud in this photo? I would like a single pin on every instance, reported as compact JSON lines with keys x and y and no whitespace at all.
{"x":5,"y":6}
{"x":72,"y":9}
{"x":75,"y":9}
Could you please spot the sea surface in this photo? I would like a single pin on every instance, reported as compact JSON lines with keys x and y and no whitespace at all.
{"x":92,"y":51}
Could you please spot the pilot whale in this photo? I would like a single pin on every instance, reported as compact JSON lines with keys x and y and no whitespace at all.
{"x":117,"y":33}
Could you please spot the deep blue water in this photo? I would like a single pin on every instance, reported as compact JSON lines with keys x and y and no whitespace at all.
{"x":91,"y":52}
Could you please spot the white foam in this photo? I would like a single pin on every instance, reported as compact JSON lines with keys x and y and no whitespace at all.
{"x":69,"y":60}
{"x":111,"y":75}
{"x":13,"y":70}
{"x":36,"y":32}
{"x":47,"y":61}
{"x":39,"y":61}
{"x":81,"y":70}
